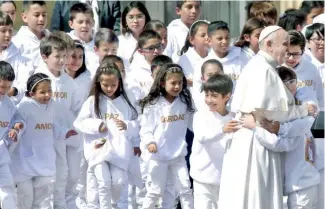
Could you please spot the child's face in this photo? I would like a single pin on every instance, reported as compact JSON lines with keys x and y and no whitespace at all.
{"x":9,"y":9}
{"x":293,"y":56}
{"x":200,"y":39}
{"x":75,"y":60}
{"x":313,"y":13}
{"x":219,"y":41}
{"x":106,"y":48}
{"x":316,"y":45}
{"x":189,"y":12}
{"x":36,"y":18}
{"x":82,"y":25}
{"x":173,"y":84}
{"x":253,"y":39}
{"x":4,"y":87}
{"x":56,"y":60}
{"x":43,"y":92}
{"x":291,"y":85}
{"x":215,"y":101}
{"x":163,"y":35}
{"x":151,"y":49}
{"x":109,"y":85}
{"x":5,"y":35}
{"x":135,"y":20}
{"x":210,"y":70}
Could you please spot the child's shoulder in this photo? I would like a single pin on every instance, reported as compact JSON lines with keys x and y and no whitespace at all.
{"x":7,"y":102}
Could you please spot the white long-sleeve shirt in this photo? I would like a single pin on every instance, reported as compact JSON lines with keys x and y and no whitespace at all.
{"x":23,"y":69}
{"x":165,"y":124}
{"x":245,"y":55}
{"x":34,"y":154}
{"x":208,"y":146}
{"x":88,"y":123}
{"x":127,"y":44}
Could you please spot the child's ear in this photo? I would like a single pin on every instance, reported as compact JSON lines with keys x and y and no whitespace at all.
{"x":24,"y":17}
{"x":70,"y":24}
{"x":191,"y":39}
{"x":298,"y":28}
{"x":44,"y":57}
{"x":247,"y":38}
{"x":95,"y":49}
{"x":227,"y":96}
{"x":210,"y":42}
{"x":140,"y":51}
{"x":31,"y":94}
{"x":178,"y":11}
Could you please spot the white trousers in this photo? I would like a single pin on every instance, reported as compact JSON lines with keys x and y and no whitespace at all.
{"x":35,"y":193}
{"x":205,"y":195}
{"x":320,"y":200}
{"x":158,"y":172}
{"x":105,"y":183}
{"x":81,"y":200}
{"x":67,"y":175}
{"x":8,"y":197}
{"x":303,"y":199}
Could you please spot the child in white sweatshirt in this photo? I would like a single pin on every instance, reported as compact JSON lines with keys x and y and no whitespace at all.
{"x":211,"y":129}
{"x":33,"y":160}
{"x":167,"y":113}
{"x":107,"y":110}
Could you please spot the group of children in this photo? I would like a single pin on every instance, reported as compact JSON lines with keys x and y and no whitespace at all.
{"x":105,"y":121}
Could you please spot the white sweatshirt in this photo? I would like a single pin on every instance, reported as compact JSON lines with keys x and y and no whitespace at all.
{"x":88,"y":123}
{"x":165,"y":124}
{"x":23,"y":69}
{"x":28,"y":44}
{"x":126,"y":46}
{"x":35,"y":154}
{"x":176,"y":35}
{"x":67,"y":100}
{"x":245,"y":55}
{"x":83,"y":84}
{"x":208,"y":146}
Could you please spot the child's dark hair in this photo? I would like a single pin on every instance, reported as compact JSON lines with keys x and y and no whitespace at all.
{"x":307,"y":6}
{"x":134,"y":4}
{"x":211,"y":62}
{"x":317,"y":28}
{"x":160,"y":60}
{"x":154,"y":25}
{"x":5,"y":2}
{"x":217,"y":25}
{"x":33,"y":82}
{"x":7,"y":73}
{"x":5,"y":19}
{"x":261,"y":10}
{"x":191,"y":33}
{"x":249,"y":27}
{"x":157,"y":89}
{"x":27,"y":4}
{"x":297,"y":39}
{"x":179,"y":4}
{"x":51,"y":42}
{"x":83,"y":68}
{"x":96,"y":90}
{"x":286,"y":73}
{"x":291,"y":19}
{"x":80,"y":8}
{"x":112,"y":59}
{"x":219,"y":83}
{"x":105,"y":35}
{"x":143,"y":38}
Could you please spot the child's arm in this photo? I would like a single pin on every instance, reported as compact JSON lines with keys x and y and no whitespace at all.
{"x":76,"y":99}
{"x":147,"y":123}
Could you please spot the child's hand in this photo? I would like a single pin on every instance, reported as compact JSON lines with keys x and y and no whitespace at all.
{"x":103,"y":128}
{"x":18,"y":126}
{"x":270,"y":126}
{"x":137,"y":151}
{"x":248,"y":121}
{"x":231,"y":126}
{"x":71,"y":133}
{"x":99,"y":143}
{"x":312,"y":109}
{"x":120,"y":124}
{"x":152,"y":148}
{"x":13,"y":135}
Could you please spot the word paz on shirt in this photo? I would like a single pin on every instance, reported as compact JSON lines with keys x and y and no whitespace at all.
{"x":110,"y":116}
{"x":4,"y":124}
{"x":172,"y":118}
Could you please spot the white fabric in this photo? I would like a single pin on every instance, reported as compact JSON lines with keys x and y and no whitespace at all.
{"x":245,"y":55}
{"x":320,"y":192}
{"x":126,"y":46}
{"x":158,"y":172}
{"x":205,"y":195}
{"x":83,"y":83}
{"x":319,"y":19}
{"x":176,"y":35}
{"x":81,"y":200}
{"x":8,"y":197}
{"x":268,"y":31}
{"x":208,"y":146}
{"x":305,"y":198}
{"x":35,"y":193}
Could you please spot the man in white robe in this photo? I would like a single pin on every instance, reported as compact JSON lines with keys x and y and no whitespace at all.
{"x":251,"y":174}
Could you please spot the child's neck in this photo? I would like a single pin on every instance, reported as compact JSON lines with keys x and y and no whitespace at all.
{"x":320,"y":58}
{"x":221,"y":54}
{"x":39,"y":35}
{"x":252,"y":49}
{"x":135,"y":35}
{"x":55,"y":73}
{"x":2,"y":49}
{"x":223,"y":111}
{"x":87,"y":40}
{"x":71,"y":73}
{"x":203,"y":52}
{"x":169,"y":98}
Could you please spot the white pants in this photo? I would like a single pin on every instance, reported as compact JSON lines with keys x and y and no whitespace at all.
{"x":82,"y":184}
{"x":158,"y":172}
{"x":320,"y":200}
{"x":109,"y":181}
{"x":205,"y":195}
{"x":303,"y":199}
{"x":8,"y":197}
{"x":67,"y":175}
{"x":35,"y":193}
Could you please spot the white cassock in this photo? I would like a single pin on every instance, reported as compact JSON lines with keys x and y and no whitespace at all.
{"x":251,"y":174}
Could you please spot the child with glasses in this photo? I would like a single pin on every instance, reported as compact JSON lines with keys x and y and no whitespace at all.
{"x":307,"y":73}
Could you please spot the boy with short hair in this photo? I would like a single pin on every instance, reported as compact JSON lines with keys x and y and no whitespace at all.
{"x":189,"y":12}
{"x":28,"y":37}
{"x":263,"y":10}
{"x":9,"y":52}
{"x":53,"y":50}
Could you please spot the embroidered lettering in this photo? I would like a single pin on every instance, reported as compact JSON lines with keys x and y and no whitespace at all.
{"x":110,"y":116}
{"x":233,"y":76}
{"x":305,"y":83}
{"x":62,"y":95}
{"x":172,"y":118}
{"x":43,"y":126}
{"x":4,"y":124}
